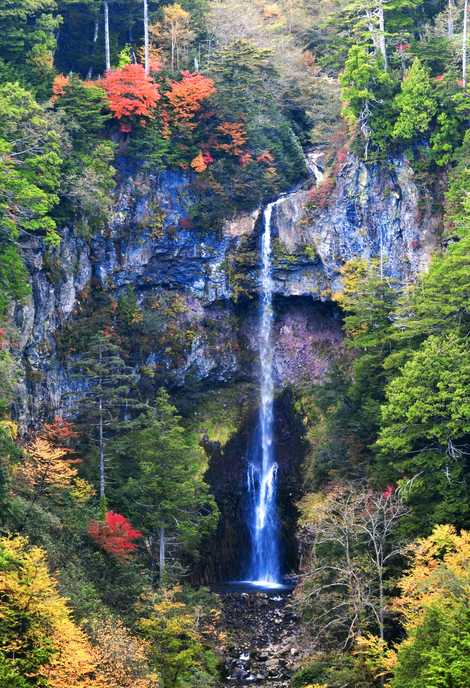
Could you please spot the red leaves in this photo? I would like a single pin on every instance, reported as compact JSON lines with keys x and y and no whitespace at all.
{"x":131,"y":92}
{"x":320,"y":195}
{"x":59,"y":432}
{"x":115,"y":535}
{"x":186,"y":97}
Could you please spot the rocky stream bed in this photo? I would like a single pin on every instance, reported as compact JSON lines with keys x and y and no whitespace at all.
{"x":263,"y":639}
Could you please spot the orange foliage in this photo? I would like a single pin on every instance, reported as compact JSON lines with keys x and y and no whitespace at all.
{"x":186,"y":97}
{"x":59,"y":432}
{"x":131,"y":92}
{"x":58,"y":86}
{"x":245,"y":159}
{"x":201,"y":162}
{"x":234,"y":138}
{"x":198,"y":163}
{"x":265,"y":157}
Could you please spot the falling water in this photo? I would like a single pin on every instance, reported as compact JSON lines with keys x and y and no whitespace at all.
{"x":262,"y":467}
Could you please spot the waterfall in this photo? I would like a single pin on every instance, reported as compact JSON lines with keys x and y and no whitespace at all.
{"x":261,"y":475}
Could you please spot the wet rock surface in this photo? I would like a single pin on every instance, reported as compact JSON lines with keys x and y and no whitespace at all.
{"x":263,"y":639}
{"x":151,"y":247}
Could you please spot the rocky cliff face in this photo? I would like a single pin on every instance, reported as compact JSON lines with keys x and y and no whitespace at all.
{"x":151,"y":247}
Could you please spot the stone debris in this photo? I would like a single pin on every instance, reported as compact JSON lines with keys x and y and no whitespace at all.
{"x":264,"y":633}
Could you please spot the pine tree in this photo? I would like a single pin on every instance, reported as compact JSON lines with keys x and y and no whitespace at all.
{"x":425,"y":430}
{"x":108,"y":394}
{"x":415,"y":104}
{"x":166,"y":495}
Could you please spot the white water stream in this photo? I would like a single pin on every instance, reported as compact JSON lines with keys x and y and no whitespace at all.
{"x":262,"y":467}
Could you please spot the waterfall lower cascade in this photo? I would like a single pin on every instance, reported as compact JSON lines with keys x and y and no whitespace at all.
{"x":265,"y":570}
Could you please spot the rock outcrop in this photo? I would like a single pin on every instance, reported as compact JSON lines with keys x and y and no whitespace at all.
{"x":151,"y":247}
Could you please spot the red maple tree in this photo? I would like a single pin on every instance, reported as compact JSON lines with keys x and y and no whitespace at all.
{"x":131,"y":93}
{"x":115,"y":535}
{"x":59,"y":432}
{"x":187,"y":95}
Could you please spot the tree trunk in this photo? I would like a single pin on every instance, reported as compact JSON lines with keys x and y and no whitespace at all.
{"x":450,"y":19}
{"x":146,"y":36}
{"x":95,"y":40}
{"x":106,"y":36}
{"x":382,"y":43}
{"x":101,"y":443}
{"x":162,"y":555}
{"x":173,"y":49}
{"x":372,"y":31}
{"x":464,"y":43}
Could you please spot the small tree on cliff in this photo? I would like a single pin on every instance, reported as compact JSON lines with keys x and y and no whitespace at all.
{"x":107,"y":396}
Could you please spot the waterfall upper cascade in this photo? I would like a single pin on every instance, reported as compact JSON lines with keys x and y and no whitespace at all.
{"x":265,"y":568}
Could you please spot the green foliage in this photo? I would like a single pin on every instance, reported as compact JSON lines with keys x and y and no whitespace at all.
{"x":457,"y":208}
{"x":166,"y":495}
{"x":332,"y":670}
{"x":362,"y":80}
{"x":366,"y":91}
{"x":85,"y":109}
{"x":424,"y":430}
{"x":438,"y":651}
{"x":29,"y":178}
{"x":27,"y":42}
{"x":107,"y":397}
{"x":179,"y":654}
{"x":88,"y":186}
{"x":29,"y":147}
{"x":415,"y":104}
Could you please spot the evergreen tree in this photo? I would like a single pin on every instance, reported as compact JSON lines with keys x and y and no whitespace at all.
{"x":415,"y":104}
{"x":27,"y":42}
{"x":366,"y":88}
{"x":86,"y":109}
{"x":166,"y":495}
{"x":107,"y":397}
{"x":424,"y":439}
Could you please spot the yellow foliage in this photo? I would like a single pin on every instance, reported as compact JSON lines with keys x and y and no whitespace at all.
{"x":10,"y":427}
{"x":378,"y":658}
{"x":26,"y":587}
{"x":45,"y":467}
{"x":82,"y":491}
{"x":439,"y":572}
{"x":121,"y":657}
{"x":353,"y":272}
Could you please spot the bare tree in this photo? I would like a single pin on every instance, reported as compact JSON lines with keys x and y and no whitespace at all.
{"x":347,"y":543}
{"x":95,"y":40}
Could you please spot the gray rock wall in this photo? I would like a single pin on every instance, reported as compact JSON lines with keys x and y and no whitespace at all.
{"x":151,"y":246}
